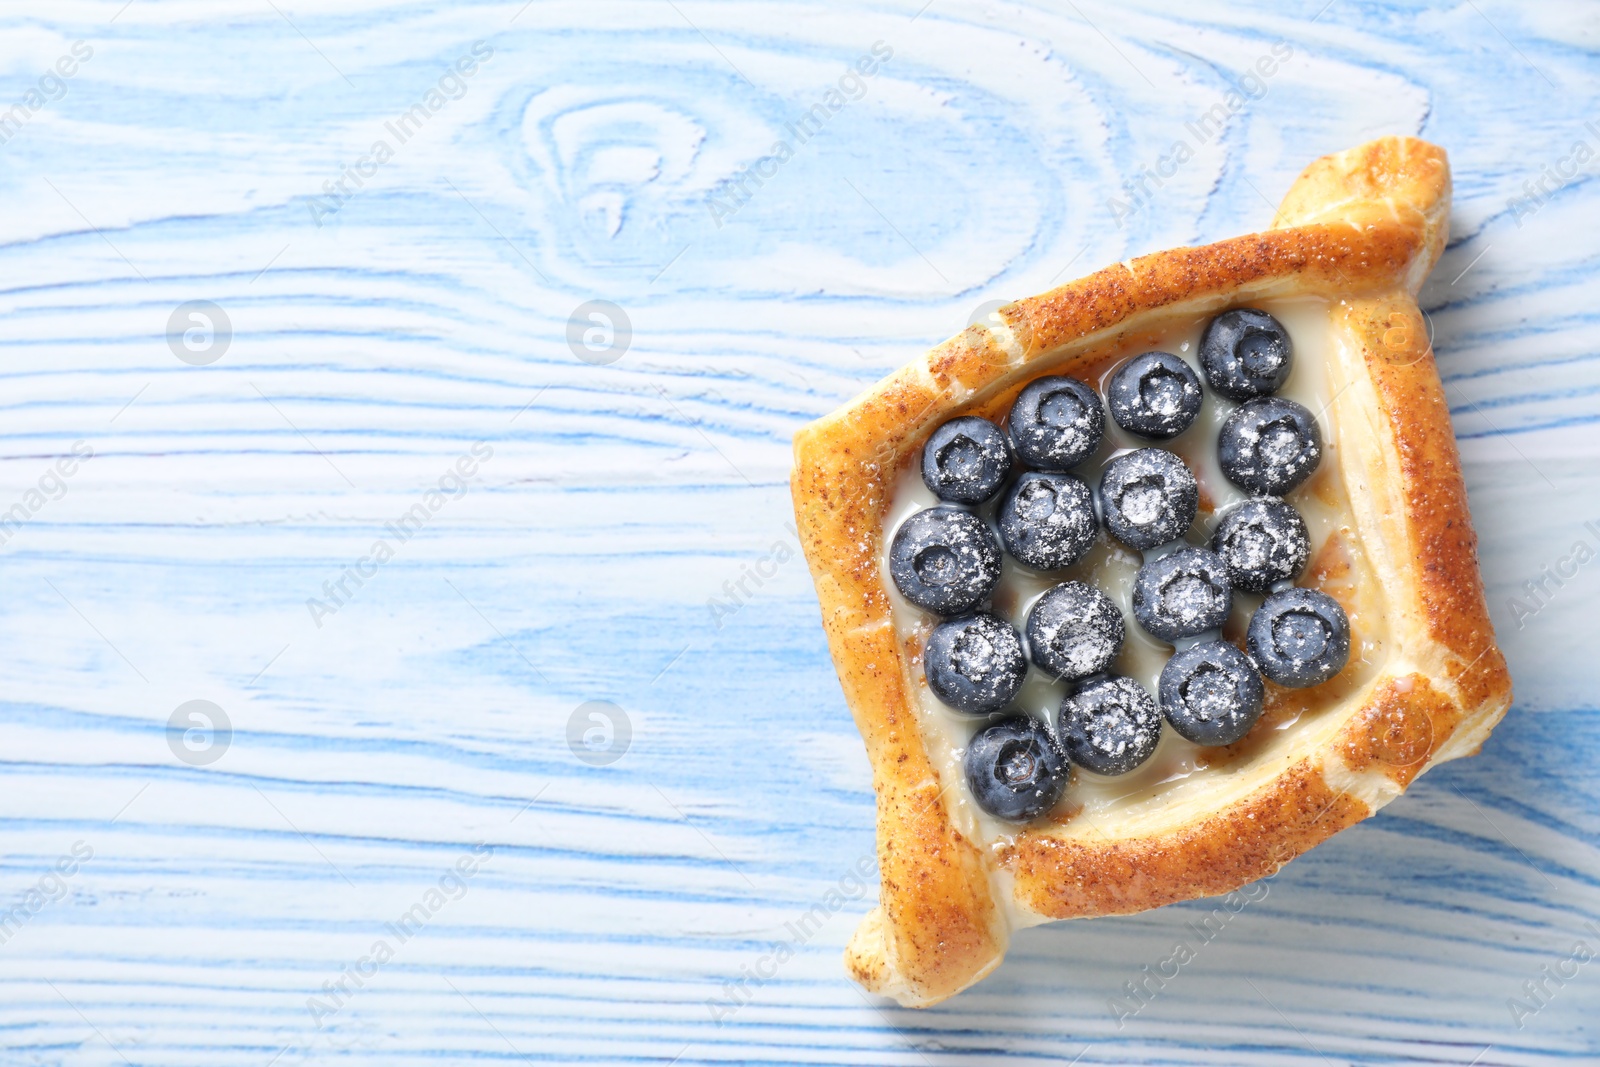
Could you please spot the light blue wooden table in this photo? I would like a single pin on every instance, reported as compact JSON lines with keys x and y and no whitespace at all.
{"x":396,"y":513}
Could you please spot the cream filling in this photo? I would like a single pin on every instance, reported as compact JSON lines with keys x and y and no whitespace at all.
{"x":1180,"y":772}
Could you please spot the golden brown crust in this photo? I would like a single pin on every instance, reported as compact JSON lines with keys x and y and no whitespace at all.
{"x":1321,"y":258}
{"x":1362,"y":227}
{"x":1399,"y":729}
{"x":1076,"y":877}
{"x":1393,"y":178}
{"x":1400,"y":363}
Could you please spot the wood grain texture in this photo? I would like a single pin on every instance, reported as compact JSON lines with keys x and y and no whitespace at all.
{"x":186,"y":160}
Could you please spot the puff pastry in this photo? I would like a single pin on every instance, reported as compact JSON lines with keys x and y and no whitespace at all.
{"x":1358,"y":230}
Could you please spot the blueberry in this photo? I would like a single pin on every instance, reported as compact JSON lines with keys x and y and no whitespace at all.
{"x":1211,"y":693}
{"x":1110,"y":725}
{"x":945,"y":560}
{"x":1056,"y":423}
{"x":974,"y":663}
{"x":1263,"y":541}
{"x":1246,"y":353}
{"x":1182,"y":594}
{"x":1299,"y":637}
{"x":1269,"y":445}
{"x":966,"y":460}
{"x":1149,"y":497}
{"x":1047,"y":520}
{"x":1074,"y":630}
{"x":1014,"y":770}
{"x":1154,"y":395}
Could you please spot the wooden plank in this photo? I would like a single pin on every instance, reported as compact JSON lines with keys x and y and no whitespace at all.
{"x":377,"y":337}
